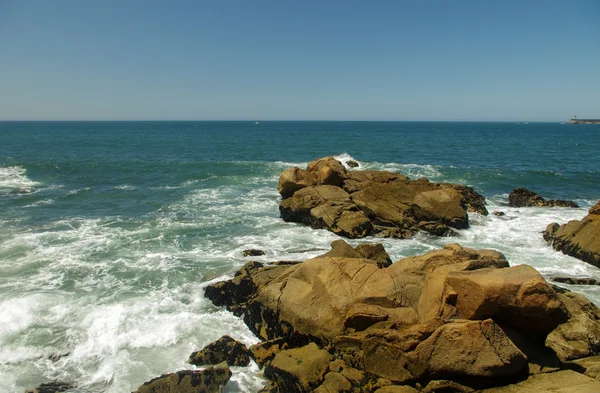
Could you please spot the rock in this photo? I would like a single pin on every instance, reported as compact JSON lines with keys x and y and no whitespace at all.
{"x":579,"y":336}
{"x":225,"y":349}
{"x":334,"y":383}
{"x":374,"y":252}
{"x":499,"y":214}
{"x":264,"y":351}
{"x":565,"y":381}
{"x":579,"y":239}
{"x":209,"y":380}
{"x":522,"y":197}
{"x":299,"y":369}
{"x":253,"y":253}
{"x":468,"y":348}
{"x":517,"y":296}
{"x":352,"y":164}
{"x":396,"y":389}
{"x":575,"y":280}
{"x":52,"y":387}
{"x":356,"y":204}
{"x":589,"y":366}
{"x":445,"y":386}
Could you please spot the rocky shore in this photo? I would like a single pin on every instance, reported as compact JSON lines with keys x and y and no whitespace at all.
{"x":451,"y":320}
{"x":351,"y":320}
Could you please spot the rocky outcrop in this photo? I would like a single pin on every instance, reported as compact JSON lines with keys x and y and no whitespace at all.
{"x":575,"y":280}
{"x":579,"y":239}
{"x":209,"y":380}
{"x":522,"y":197}
{"x":454,"y":319}
{"x":225,"y":349}
{"x":356,"y":204}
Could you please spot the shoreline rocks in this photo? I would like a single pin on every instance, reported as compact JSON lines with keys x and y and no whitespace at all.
{"x":454,"y":318}
{"x":361,"y":203}
{"x":522,"y":197}
{"x":578,"y":238}
{"x":208,"y":380}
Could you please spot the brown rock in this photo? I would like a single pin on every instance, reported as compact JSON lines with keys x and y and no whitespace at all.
{"x":264,"y":351}
{"x":334,"y":383}
{"x":579,"y":336}
{"x":253,"y":253}
{"x":396,"y":389}
{"x":575,"y":280}
{"x":356,"y":204}
{"x":565,"y":381}
{"x":522,"y":197}
{"x":209,"y":380}
{"x":589,"y":366}
{"x":225,"y":349}
{"x":374,"y":252}
{"x":579,"y":239}
{"x":517,"y":296}
{"x":292,"y":180}
{"x":299,"y":369}
{"x":445,"y":386}
{"x":471,"y":348}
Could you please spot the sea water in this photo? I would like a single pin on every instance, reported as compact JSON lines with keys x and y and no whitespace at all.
{"x":110,"y":231}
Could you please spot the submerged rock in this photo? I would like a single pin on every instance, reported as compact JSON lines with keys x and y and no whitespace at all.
{"x":52,"y":387}
{"x":579,"y":239}
{"x":522,"y":197}
{"x":253,"y":253}
{"x":225,"y":349}
{"x":209,"y":380}
{"x":356,"y":204}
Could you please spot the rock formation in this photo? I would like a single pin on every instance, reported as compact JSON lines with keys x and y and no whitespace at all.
{"x":522,"y":197}
{"x":454,"y":319}
{"x":225,"y":349}
{"x":580,"y":239}
{"x":356,"y":204}
{"x":209,"y":380}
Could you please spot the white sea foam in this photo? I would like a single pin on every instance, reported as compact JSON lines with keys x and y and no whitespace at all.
{"x":13,"y":179}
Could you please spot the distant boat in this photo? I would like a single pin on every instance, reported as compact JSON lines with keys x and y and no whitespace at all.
{"x":257,"y":122}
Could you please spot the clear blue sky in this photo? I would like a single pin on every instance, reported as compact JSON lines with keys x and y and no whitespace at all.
{"x":532,"y":60}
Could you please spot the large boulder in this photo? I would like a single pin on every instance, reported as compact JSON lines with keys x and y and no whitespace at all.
{"x":579,"y":336}
{"x":579,"y":239}
{"x":473,"y":348}
{"x":299,"y":370}
{"x":517,"y":296}
{"x":522,"y":197}
{"x":356,"y":204}
{"x":209,"y":380}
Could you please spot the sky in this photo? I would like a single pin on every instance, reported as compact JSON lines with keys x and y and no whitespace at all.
{"x":525,"y":60}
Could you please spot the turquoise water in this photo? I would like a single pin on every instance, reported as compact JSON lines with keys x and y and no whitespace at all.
{"x":109,"y":231}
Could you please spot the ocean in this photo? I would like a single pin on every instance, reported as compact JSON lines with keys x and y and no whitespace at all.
{"x":109,"y":231}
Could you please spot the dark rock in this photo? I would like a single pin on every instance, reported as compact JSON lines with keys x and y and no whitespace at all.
{"x":522,"y":197}
{"x":499,"y":214}
{"x":225,"y":349}
{"x":579,"y":239}
{"x":575,"y":280}
{"x":253,"y":253}
{"x":356,"y":204}
{"x":52,"y":387}
{"x":209,"y":380}
{"x":352,"y":164}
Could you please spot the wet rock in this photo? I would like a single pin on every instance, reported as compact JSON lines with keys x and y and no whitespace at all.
{"x":352,"y":164}
{"x":579,"y":239}
{"x":52,"y":387}
{"x":522,"y":197}
{"x":253,"y":253}
{"x":225,"y":349}
{"x":356,"y":204}
{"x":209,"y":380}
{"x":499,"y":214}
{"x":575,"y":280}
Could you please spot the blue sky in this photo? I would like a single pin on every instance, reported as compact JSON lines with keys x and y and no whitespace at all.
{"x":532,"y":60}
